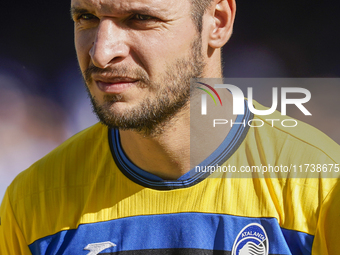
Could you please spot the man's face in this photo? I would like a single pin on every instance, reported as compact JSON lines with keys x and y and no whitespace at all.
{"x":137,"y":58}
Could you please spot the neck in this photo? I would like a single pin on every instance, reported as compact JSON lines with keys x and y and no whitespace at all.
{"x":166,"y":155}
{"x":178,"y":148}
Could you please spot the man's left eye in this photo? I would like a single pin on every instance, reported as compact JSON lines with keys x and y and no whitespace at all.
{"x":141,"y":17}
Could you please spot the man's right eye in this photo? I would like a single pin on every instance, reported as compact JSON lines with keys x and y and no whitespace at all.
{"x":86,"y":16}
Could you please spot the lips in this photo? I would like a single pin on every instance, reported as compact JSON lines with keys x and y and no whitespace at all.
{"x":114,"y":85}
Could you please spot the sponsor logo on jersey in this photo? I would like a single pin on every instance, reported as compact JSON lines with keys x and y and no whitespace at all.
{"x":95,"y":248}
{"x":252,"y":240}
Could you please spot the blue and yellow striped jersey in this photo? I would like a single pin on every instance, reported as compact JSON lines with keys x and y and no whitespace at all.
{"x":87,"y":197}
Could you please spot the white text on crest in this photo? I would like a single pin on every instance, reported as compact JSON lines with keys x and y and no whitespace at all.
{"x":251,"y":233}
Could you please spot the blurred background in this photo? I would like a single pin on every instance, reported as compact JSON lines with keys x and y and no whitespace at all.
{"x":42,"y":97}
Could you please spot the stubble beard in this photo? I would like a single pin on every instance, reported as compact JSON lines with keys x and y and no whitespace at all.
{"x":172,"y":94}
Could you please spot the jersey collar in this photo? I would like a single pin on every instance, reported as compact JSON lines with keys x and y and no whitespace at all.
{"x":227,"y":148}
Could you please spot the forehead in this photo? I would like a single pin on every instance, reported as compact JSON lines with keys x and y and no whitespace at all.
{"x":122,"y":6}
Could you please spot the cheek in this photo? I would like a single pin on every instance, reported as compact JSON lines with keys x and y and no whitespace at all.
{"x":83,"y":43}
{"x":157,"y":51}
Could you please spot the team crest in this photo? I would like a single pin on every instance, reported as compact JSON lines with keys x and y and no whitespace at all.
{"x":252,"y":240}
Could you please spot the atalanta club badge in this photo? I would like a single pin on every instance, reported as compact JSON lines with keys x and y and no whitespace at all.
{"x":252,"y":240}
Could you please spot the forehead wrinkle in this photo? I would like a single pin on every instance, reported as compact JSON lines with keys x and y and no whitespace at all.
{"x":119,"y":7}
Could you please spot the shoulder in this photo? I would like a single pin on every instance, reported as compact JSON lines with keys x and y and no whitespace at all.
{"x":294,"y":137}
{"x":55,"y":190}
{"x":327,"y":233}
{"x":60,"y":166}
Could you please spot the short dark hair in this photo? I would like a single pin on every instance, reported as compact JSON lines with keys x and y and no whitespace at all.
{"x":197,"y":11}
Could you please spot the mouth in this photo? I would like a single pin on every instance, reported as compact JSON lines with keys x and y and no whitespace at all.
{"x":115,"y":85}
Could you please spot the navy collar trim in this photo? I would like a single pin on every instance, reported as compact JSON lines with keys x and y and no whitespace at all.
{"x":230,"y":144}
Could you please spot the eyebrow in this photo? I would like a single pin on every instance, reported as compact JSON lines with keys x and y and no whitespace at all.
{"x":76,"y":11}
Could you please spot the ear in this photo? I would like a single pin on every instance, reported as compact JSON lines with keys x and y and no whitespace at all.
{"x":222,"y":13}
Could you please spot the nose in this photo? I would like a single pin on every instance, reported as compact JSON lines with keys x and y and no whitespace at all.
{"x":109,"y":45}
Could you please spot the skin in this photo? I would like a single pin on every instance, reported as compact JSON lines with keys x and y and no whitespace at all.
{"x":146,"y":37}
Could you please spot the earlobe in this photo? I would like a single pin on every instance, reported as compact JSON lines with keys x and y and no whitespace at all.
{"x":223,"y":13}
